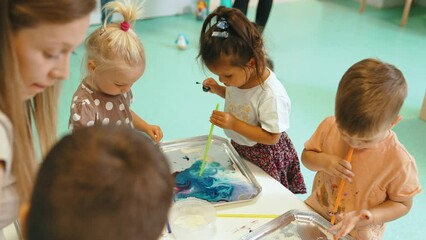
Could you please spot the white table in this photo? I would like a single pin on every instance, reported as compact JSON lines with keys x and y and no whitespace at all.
{"x":274,"y":199}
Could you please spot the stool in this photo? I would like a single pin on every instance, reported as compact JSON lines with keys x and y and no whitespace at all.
{"x":423,"y":111}
{"x":405,"y":13}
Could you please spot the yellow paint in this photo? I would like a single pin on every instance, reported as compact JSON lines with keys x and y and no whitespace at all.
{"x":241,"y":215}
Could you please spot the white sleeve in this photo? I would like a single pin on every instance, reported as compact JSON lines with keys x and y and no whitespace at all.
{"x":6,"y":142}
{"x":274,"y":114}
{"x":274,"y":109}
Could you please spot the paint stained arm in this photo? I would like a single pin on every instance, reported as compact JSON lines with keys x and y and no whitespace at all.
{"x":333,"y":165}
{"x":385,"y":212}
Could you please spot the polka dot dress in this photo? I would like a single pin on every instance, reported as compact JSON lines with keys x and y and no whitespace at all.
{"x":90,"y":107}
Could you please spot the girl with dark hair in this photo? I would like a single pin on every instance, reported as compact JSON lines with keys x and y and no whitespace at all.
{"x":257,"y":107}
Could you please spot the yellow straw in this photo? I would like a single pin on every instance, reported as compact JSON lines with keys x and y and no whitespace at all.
{"x":240,"y":215}
{"x":209,"y":141}
{"x":340,"y":189}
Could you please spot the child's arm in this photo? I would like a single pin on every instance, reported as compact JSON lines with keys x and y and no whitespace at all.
{"x":153,"y":131}
{"x":214,"y":87}
{"x":333,"y":165}
{"x":226,"y":120}
{"x":385,"y":212}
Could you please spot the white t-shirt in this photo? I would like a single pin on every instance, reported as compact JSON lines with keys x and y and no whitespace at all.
{"x":267,"y":106}
{"x":9,"y":202}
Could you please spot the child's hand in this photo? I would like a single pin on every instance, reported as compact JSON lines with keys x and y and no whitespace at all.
{"x":223,"y":120}
{"x":212,"y":84}
{"x":349,"y":221}
{"x":339,"y":167}
{"x":154,"y":132}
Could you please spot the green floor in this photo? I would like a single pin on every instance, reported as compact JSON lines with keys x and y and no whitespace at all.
{"x":312,"y":43}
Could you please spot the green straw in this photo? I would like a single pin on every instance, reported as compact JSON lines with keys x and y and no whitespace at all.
{"x":209,"y":141}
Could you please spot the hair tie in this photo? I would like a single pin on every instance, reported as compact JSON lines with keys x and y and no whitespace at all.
{"x":125,"y":26}
{"x":223,"y":34}
{"x":223,"y":25}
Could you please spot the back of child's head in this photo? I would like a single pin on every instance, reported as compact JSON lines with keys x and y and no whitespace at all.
{"x":227,"y":32}
{"x":117,"y":40}
{"x":369,"y":97}
{"x":101,"y":183}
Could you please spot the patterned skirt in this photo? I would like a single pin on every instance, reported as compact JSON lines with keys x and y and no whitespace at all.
{"x":279,"y":160}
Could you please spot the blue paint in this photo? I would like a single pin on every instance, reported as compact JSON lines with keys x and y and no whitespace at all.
{"x":215,"y":185}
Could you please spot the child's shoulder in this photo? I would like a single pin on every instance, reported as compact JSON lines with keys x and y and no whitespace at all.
{"x":327,"y":123}
{"x":274,"y":86}
{"x":330,"y":120}
{"x":82,"y":100}
{"x":273,"y":80}
{"x":327,"y":128}
{"x":85,"y":93}
{"x":83,"y":90}
{"x":396,"y":149}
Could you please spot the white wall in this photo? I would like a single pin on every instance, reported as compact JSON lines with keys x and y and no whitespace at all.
{"x":155,"y":8}
{"x":158,"y":8}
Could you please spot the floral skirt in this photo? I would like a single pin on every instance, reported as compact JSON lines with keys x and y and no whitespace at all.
{"x":279,"y":160}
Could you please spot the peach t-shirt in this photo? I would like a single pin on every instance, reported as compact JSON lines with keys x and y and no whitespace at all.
{"x":385,"y":171}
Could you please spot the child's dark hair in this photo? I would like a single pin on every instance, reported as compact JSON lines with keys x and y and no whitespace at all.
{"x":238,"y":39}
{"x":369,"y":97}
{"x":104,"y":183}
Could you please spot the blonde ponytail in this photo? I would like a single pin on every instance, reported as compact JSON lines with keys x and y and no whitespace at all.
{"x":131,"y":10}
{"x":117,"y":40}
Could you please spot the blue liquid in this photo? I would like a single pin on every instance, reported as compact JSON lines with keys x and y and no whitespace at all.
{"x":209,"y":186}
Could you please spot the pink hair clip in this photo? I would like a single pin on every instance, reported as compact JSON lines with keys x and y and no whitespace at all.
{"x":125,"y":26}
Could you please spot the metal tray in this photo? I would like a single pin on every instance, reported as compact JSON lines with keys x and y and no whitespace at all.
{"x":183,"y":154}
{"x":294,"y":224}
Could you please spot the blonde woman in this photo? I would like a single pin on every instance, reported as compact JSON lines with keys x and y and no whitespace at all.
{"x":35,"y":46}
{"x":115,"y":61}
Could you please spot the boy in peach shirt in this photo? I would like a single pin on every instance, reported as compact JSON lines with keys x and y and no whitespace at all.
{"x":382,"y":178}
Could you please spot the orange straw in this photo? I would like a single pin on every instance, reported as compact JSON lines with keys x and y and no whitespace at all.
{"x":340,"y":189}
